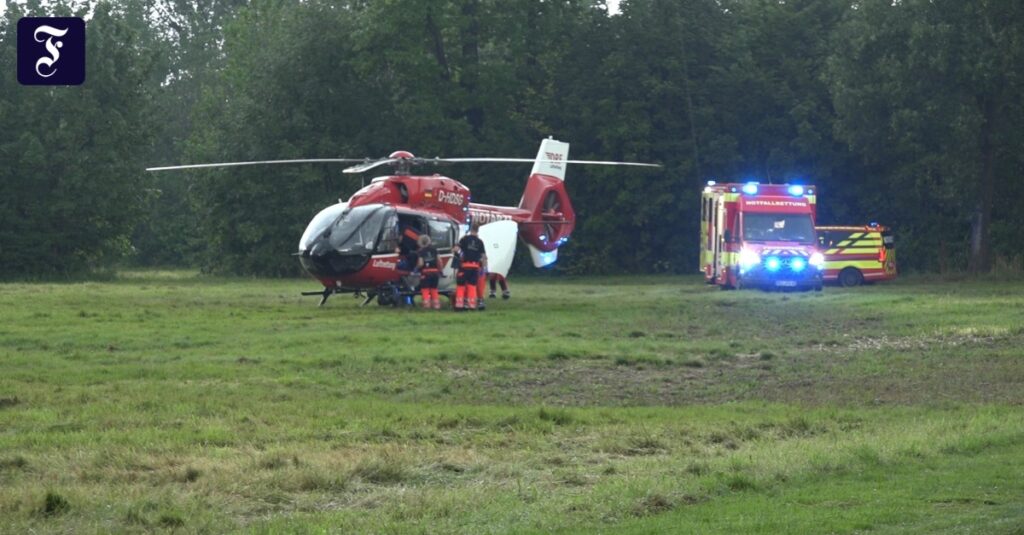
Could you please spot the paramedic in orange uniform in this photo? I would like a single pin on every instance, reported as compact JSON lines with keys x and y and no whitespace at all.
{"x":430,"y":269}
{"x":474,"y":260}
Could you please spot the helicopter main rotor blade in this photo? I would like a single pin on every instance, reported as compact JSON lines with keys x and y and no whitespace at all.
{"x":531,"y":160}
{"x":595,"y":162}
{"x":366,"y":166}
{"x":261,"y":162}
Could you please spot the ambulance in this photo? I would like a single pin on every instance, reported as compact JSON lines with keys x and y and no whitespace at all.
{"x":760,"y":236}
{"x":857,"y":254}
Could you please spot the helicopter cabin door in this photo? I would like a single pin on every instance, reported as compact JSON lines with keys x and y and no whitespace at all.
{"x":442,"y":235}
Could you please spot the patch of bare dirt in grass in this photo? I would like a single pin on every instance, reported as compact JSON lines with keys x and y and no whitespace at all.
{"x":966,"y":337}
{"x":993,"y":380}
{"x":579,"y":382}
{"x":951,"y":368}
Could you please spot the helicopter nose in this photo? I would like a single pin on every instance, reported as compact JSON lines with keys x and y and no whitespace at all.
{"x":320,"y":261}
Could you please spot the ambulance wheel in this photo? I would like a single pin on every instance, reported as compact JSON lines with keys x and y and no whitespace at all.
{"x":851,"y":277}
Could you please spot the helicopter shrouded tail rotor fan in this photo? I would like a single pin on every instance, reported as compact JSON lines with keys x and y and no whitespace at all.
{"x":552,"y":214}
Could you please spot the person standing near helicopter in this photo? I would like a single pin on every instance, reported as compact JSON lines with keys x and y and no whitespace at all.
{"x":473,"y":261}
{"x":408,"y":243}
{"x":430,"y":269}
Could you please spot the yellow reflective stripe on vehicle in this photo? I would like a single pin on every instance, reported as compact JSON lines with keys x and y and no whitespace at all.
{"x":867,"y":243}
{"x":731,"y":197}
{"x":843,"y":243}
{"x":832,"y":251}
{"x":862,"y":264}
{"x":859,"y":250}
{"x":856,"y":235}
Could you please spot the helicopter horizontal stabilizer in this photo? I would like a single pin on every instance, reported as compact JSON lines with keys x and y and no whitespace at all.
{"x":500,"y":245}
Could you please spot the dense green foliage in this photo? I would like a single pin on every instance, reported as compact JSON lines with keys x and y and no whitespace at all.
{"x":167,"y":401}
{"x":71,"y":158}
{"x":904,"y":113}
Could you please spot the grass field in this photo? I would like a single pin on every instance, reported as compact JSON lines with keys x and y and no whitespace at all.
{"x":168,"y":401}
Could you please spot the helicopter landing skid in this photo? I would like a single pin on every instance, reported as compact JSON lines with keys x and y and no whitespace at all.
{"x":323,"y":295}
{"x":327,"y":292}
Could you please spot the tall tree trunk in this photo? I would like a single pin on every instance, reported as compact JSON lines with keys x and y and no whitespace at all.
{"x":981,"y":247}
{"x":439,"y":54}
{"x":690,"y":115}
{"x":471,"y":63}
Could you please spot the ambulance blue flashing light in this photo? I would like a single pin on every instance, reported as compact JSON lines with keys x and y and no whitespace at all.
{"x":798,"y":264}
{"x":711,"y":182}
{"x":750,"y":188}
{"x":772,"y":263}
{"x":796,"y":190}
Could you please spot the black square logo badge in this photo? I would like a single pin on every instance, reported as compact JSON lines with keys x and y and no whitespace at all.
{"x":51,"y":50}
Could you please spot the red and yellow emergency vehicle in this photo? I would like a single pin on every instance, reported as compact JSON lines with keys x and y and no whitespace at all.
{"x":760,"y":235}
{"x":854,"y":255}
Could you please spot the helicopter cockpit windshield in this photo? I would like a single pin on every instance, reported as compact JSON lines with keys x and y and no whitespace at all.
{"x":324,"y":219}
{"x":350,"y":230}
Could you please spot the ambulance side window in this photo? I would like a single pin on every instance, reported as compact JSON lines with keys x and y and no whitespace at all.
{"x":834,"y":238}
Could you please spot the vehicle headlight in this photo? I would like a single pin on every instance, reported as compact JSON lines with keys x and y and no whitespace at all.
{"x":749,"y":259}
{"x":817,"y":260}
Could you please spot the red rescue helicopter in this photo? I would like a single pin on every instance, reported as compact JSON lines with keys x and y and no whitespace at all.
{"x":354,"y":246}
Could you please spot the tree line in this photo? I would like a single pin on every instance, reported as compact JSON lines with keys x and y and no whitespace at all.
{"x":905,"y":113}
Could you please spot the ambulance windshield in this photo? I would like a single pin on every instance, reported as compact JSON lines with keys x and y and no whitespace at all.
{"x":796,"y":228}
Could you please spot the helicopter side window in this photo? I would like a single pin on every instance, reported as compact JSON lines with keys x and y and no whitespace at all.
{"x":442,"y":234}
{"x":388,"y":235}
